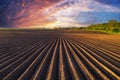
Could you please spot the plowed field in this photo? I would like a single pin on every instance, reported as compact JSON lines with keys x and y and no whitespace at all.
{"x":59,"y":55}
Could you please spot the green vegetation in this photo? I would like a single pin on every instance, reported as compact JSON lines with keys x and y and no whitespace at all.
{"x":111,"y":27}
{"x":67,"y":28}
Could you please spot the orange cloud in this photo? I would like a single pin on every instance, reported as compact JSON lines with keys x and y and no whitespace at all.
{"x":34,"y":13}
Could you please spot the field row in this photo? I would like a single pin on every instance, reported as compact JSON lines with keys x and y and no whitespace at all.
{"x":58,"y":55}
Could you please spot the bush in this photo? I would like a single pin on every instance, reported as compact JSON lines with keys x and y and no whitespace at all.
{"x":116,"y":30}
{"x":111,"y":26}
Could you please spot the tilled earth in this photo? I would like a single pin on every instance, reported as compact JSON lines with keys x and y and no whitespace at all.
{"x":59,"y":55}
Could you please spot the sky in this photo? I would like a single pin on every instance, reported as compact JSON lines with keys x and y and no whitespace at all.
{"x":57,"y":13}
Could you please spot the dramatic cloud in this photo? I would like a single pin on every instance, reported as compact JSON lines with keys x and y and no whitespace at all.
{"x":57,"y":13}
{"x":115,"y":3}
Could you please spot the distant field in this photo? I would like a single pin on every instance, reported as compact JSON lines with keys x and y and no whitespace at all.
{"x":59,"y":55}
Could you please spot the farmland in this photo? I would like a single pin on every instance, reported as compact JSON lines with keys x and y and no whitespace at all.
{"x":59,"y":55}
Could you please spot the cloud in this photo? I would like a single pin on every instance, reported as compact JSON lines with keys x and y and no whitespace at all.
{"x":26,"y":12}
{"x":115,"y":3}
{"x":83,"y":13}
{"x":52,"y":13}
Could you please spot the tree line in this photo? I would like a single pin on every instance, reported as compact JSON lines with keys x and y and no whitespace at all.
{"x":112,"y":26}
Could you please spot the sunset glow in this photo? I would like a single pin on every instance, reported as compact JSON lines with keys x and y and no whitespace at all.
{"x":57,"y":13}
